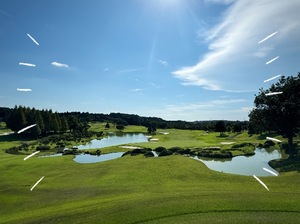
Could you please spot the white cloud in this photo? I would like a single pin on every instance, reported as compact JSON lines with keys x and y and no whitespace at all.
{"x":231,"y":109}
{"x":234,"y":51}
{"x":165,"y":63}
{"x":60,"y":65}
{"x":137,"y":90}
{"x":27,"y":64}
{"x":105,"y":70}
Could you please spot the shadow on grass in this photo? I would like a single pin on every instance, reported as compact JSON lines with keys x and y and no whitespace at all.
{"x":14,"y":137}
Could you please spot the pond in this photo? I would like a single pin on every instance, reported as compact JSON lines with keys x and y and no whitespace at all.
{"x":113,"y":140}
{"x":86,"y":158}
{"x":243,"y":165}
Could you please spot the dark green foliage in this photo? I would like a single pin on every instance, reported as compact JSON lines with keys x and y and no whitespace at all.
{"x":279,"y":113}
{"x":120,"y":127}
{"x":42,"y":147}
{"x":165,"y":153}
{"x":149,"y":154}
{"x":220,"y":127}
{"x":159,"y":149}
{"x":268,"y":144}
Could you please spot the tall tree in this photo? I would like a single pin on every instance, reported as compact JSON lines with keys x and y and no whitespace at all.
{"x":280,"y":111}
{"x":220,"y":127}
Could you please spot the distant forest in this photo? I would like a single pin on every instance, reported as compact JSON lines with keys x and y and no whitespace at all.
{"x":48,"y":121}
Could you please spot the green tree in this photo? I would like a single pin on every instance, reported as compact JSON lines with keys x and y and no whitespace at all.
{"x":280,"y":112}
{"x":17,"y":119}
{"x":220,"y":127}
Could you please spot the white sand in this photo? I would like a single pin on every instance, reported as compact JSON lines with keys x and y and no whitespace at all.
{"x":227,"y":143}
{"x":129,"y":147}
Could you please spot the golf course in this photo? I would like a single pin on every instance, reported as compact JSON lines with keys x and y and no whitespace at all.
{"x":136,"y":189}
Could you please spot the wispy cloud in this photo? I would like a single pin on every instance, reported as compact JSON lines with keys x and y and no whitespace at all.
{"x":131,"y":70}
{"x":233,"y":42}
{"x":60,"y":65}
{"x":137,"y":90}
{"x":5,"y":13}
{"x":105,"y":70}
{"x":34,"y":41}
{"x":27,"y":64}
{"x":165,"y":63}
{"x":231,"y":109}
{"x":24,"y":90}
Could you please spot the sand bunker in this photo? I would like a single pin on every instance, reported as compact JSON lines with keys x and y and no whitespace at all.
{"x":227,"y":143}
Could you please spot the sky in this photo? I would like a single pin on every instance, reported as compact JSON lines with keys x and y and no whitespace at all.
{"x":174,"y":59}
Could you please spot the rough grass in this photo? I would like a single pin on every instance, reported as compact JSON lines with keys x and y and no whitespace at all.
{"x":172,"y":189}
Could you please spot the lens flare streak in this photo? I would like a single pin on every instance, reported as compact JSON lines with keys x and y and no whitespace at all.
{"x":262,"y":183}
{"x":24,"y":129}
{"x":270,"y":171}
{"x":27,"y":157}
{"x":37,"y":183}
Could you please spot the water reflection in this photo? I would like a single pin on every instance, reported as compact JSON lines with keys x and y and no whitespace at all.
{"x":251,"y":165}
{"x":113,"y":140}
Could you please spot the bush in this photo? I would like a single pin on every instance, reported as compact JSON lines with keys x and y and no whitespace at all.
{"x":165,"y":153}
{"x":149,"y":154}
{"x":43,"y":147}
{"x":159,"y":149}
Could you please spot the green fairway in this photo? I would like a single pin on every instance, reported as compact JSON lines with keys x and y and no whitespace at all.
{"x":173,"y":189}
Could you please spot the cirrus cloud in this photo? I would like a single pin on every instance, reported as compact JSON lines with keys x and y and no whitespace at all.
{"x":60,"y":65}
{"x":234,"y":55}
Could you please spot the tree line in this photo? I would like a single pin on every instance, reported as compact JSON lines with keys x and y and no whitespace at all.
{"x":48,"y":121}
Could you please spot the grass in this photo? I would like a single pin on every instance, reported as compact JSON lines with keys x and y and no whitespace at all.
{"x":172,"y":189}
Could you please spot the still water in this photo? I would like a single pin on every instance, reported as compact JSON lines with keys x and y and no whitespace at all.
{"x":243,"y":165}
{"x":114,"y":140}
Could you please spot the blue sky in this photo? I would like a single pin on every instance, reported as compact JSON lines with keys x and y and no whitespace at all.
{"x":174,"y":59}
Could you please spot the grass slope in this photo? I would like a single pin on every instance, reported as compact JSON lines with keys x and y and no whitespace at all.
{"x":136,"y":189}
{"x":172,"y":189}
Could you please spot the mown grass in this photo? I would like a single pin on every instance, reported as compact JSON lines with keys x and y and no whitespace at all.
{"x":172,"y":189}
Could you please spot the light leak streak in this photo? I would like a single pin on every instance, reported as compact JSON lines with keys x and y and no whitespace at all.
{"x":24,"y":90}
{"x":27,"y":157}
{"x":273,"y":139}
{"x":274,"y":77}
{"x":270,"y":171}
{"x":37,"y":183}
{"x":271,"y":35}
{"x":33,"y":39}
{"x":268,"y":62}
{"x":27,"y":64}
{"x":262,"y":183}
{"x":274,"y":93}
{"x":24,"y":129}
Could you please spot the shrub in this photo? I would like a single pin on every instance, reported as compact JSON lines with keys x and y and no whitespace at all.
{"x":149,"y":154}
{"x":165,"y":153}
{"x":159,"y":149}
{"x":43,"y":147}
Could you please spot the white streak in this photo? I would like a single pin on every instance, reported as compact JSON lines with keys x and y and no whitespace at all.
{"x":33,"y":39}
{"x":37,"y":183}
{"x":57,"y":64}
{"x":270,"y":171}
{"x":27,"y":64}
{"x":262,"y":183}
{"x":273,"y":139}
{"x":24,"y":90}
{"x":268,"y":62}
{"x":274,"y":77}
{"x":271,"y":35}
{"x":24,"y":129}
{"x":274,"y":93}
{"x":27,"y":157}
